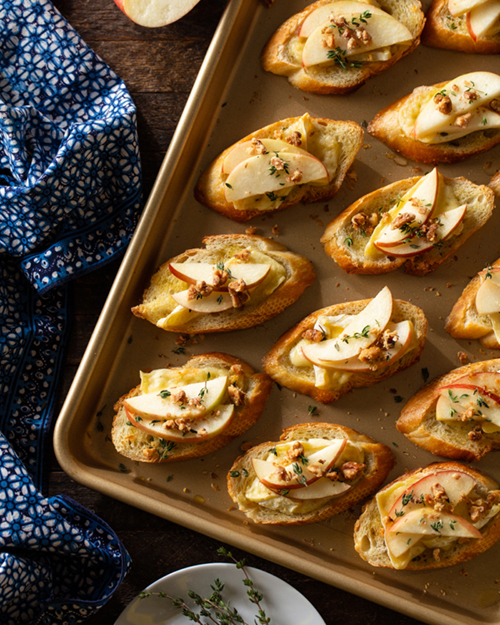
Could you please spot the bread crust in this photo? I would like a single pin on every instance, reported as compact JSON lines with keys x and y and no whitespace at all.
{"x":275,"y":57}
{"x":277,"y":363}
{"x":438,"y":34}
{"x":379,"y":461}
{"x":352,"y":260}
{"x":369,"y":534}
{"x":157,"y":302}
{"x":210,"y":187}
{"x":258,"y":387}
{"x":386,"y":127}
{"x":418,"y":420}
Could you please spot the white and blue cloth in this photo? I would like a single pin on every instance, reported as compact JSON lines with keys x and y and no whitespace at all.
{"x":70,"y":197}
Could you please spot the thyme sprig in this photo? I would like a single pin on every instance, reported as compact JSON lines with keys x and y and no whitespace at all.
{"x":214,"y":607}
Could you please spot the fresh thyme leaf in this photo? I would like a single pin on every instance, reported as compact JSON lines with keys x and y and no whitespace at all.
{"x":165,"y":393}
{"x":179,"y":350}
{"x":312,"y":411}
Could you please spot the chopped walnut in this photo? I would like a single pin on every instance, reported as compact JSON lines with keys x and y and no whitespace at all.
{"x":476,"y":434}
{"x":238,"y":292}
{"x":200,"y":289}
{"x":236,"y":395}
{"x":195,"y":402}
{"x":468,"y":415}
{"x":277,"y":162}
{"x":251,"y":230}
{"x":470,"y":95}
{"x":150,"y":454}
{"x":372,"y":356}
{"x":244,"y":255}
{"x":363,"y":35}
{"x":402,"y":219}
{"x":296,"y":450}
{"x":462,"y":121}
{"x":362,"y":221}
{"x":462,"y":357}
{"x":478,"y":509}
{"x":439,"y":496}
{"x":332,"y":475}
{"x":313,"y":335}
{"x":282,"y":474}
{"x":220,"y":277}
{"x":295,"y":138}
{"x":316,"y":469}
{"x":352,"y":43}
{"x":352,"y":470}
{"x":179,"y":397}
{"x":296,"y":177}
{"x":387,"y":339}
{"x":429,"y":230}
{"x":443,"y":103}
{"x":183,"y":424}
{"x":495,"y":105}
{"x":169,"y":424}
{"x":256,"y":147}
{"x":181,"y":339}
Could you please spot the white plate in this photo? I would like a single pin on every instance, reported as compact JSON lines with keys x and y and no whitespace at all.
{"x":281,"y":602}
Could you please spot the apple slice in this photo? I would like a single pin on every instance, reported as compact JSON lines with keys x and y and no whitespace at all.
{"x":405,"y":333}
{"x":459,"y":7}
{"x":489,"y":381}
{"x":456,"y":484}
{"x":399,"y":543}
{"x":491,"y":273}
{"x":155,"y":13}
{"x":483,"y":118}
{"x":244,"y":151}
{"x":361,"y":332}
{"x":428,"y":523}
{"x":455,"y":400}
{"x":150,"y":406}
{"x":191,"y":273}
{"x":321,"y":16}
{"x":383,"y":29}
{"x":258,"y":175}
{"x":420,"y":205}
{"x":488,"y":298}
{"x":217,"y":301}
{"x":483,"y":20}
{"x":201,"y":430}
{"x":319,"y":489}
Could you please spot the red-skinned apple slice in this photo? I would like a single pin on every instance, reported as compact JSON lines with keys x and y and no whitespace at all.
{"x":217,"y":301}
{"x":299,"y":473}
{"x":429,"y":523}
{"x":488,"y":297}
{"x":491,"y":273}
{"x":455,"y":483}
{"x":383,"y":29}
{"x":449,"y":222}
{"x":360,"y":333}
{"x":455,"y":401}
{"x":405,"y":333}
{"x":202,"y":429}
{"x":155,"y":13}
{"x":191,"y":273}
{"x":488,"y":381}
{"x":459,"y":7}
{"x":243,"y":151}
{"x":320,"y":17}
{"x":319,"y":489}
{"x":481,"y":19}
{"x":151,"y":406}
{"x":258,"y":175}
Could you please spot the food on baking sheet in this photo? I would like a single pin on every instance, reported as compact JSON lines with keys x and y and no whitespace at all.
{"x":315,"y":470}
{"x":430,"y":518}
{"x":180,"y":413}
{"x":299,"y":159}
{"x":237,"y":281}
{"x":348,"y":345}
{"x":418,"y":222}
{"x":334,"y":47}
{"x":443,"y":123}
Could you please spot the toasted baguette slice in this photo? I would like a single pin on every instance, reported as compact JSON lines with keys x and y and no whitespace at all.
{"x":278,"y":365}
{"x":334,"y":143}
{"x":283,"y":53}
{"x":346,"y":244}
{"x":140,"y":446}
{"x":299,"y":273}
{"x":369,"y":539}
{"x":387,"y":127}
{"x":442,"y":30}
{"x":419,"y":424}
{"x":377,"y":458}
{"x":464,"y":322}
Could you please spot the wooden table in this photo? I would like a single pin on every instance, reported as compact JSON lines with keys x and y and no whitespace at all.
{"x":159,"y":67}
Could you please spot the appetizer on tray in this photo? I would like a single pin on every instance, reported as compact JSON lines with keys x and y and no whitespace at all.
{"x":430,"y":518}
{"x":334,"y":47}
{"x":348,"y":345}
{"x":315,"y":470}
{"x":418,"y":222}
{"x":237,"y":281}
{"x":299,"y":159}
{"x":180,"y":413}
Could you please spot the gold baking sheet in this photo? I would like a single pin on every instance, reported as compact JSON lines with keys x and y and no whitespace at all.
{"x":232,"y":97}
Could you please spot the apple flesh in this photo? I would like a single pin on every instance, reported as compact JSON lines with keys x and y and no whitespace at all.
{"x":320,"y":17}
{"x":319,"y":489}
{"x":427,"y":522}
{"x":483,"y":20}
{"x":201,"y":430}
{"x":217,"y":301}
{"x":489,"y":381}
{"x":191,"y":273}
{"x":383,"y":29}
{"x":488,"y":296}
{"x":155,"y":13}
{"x":243,"y":151}
{"x":455,"y":400}
{"x":459,"y":7}
{"x":151,"y":406}
{"x":257,"y":175}
{"x":483,"y":118}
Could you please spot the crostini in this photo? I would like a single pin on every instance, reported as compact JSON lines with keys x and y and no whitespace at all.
{"x":458,"y":414}
{"x":418,"y":222}
{"x":348,"y":345}
{"x":299,"y":159}
{"x":430,"y":518}
{"x":315,"y":471}
{"x":476,"y":314}
{"x":443,"y":123}
{"x":335,"y":47}
{"x":181,"y":413}
{"x":237,"y":281}
{"x":471,"y":26}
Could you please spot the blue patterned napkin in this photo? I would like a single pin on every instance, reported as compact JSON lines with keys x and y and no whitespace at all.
{"x":70,"y":196}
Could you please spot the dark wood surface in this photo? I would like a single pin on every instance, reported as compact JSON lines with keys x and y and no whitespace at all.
{"x":159,"y":67}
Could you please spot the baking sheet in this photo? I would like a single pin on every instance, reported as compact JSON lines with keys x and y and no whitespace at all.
{"x":232,"y":97}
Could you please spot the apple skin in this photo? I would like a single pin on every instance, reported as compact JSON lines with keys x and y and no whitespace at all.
{"x":155,"y":13}
{"x":241,"y":270}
